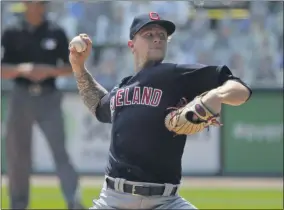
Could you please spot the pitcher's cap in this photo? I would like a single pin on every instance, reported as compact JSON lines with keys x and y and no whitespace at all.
{"x":151,"y":18}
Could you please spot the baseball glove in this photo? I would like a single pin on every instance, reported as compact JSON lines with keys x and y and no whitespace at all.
{"x":191,"y":118}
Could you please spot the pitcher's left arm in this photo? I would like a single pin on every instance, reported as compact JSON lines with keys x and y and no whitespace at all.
{"x":232,"y":92}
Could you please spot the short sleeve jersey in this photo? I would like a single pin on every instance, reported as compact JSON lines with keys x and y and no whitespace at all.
{"x":142,"y":149}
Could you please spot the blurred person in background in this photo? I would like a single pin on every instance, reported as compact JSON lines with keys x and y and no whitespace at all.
{"x":31,"y":50}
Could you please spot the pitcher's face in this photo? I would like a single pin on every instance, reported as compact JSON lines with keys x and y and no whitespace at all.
{"x":150,"y":43}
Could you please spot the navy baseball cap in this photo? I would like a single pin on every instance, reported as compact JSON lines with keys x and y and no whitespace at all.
{"x":151,"y":18}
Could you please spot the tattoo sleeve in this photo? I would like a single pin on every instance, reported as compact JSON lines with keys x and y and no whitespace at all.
{"x":89,"y":89}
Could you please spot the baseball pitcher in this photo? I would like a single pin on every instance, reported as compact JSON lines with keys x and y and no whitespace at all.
{"x":151,"y":113}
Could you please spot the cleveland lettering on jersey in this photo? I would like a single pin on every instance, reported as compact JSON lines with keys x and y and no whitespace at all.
{"x":142,"y":149}
{"x":136,"y":96}
{"x":135,"y":122}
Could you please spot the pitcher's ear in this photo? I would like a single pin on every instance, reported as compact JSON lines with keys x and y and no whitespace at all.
{"x":130,"y":44}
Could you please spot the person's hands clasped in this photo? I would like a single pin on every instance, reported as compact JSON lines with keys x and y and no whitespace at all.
{"x":77,"y":59}
{"x":34,"y":72}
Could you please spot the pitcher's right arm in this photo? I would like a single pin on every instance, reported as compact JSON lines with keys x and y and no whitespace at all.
{"x":90,"y":90}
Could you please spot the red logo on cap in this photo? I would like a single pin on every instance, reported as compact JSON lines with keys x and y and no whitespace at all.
{"x":154,"y":16}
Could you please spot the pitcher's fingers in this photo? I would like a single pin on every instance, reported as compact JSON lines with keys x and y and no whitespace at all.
{"x":88,"y":49}
{"x":88,"y":41}
{"x":72,"y":49}
{"x":74,"y":52}
{"x":86,"y":38}
{"x":89,"y":45}
{"x":83,"y":35}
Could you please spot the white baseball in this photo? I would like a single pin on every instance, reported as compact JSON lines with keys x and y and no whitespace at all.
{"x":78,"y":43}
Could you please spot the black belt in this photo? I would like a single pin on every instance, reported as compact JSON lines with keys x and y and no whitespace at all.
{"x":141,"y":190}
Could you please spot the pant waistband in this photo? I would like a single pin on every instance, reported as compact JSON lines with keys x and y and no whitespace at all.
{"x":141,"y":188}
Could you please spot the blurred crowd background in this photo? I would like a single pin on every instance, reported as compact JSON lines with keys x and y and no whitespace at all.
{"x":248,"y":38}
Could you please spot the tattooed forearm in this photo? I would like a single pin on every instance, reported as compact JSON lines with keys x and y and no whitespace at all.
{"x":89,"y":89}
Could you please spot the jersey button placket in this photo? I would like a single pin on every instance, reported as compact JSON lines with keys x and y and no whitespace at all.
{"x":117,"y":113}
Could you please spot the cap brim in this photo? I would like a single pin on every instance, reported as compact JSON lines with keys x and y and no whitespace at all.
{"x":168,"y":25}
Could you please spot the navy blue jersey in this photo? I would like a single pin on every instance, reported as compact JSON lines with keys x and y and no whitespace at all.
{"x":142,"y":149}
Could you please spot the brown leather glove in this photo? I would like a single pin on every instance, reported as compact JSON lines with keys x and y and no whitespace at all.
{"x":191,"y":118}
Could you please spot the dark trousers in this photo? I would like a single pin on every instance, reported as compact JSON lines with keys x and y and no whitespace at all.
{"x":24,"y":110}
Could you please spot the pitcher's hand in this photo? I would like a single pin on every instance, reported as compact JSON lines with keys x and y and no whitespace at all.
{"x":77,"y":60}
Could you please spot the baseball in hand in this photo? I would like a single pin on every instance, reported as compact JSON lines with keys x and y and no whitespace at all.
{"x":78,"y":43}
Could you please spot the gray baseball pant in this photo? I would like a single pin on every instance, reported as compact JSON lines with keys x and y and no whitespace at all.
{"x":117,"y":199}
{"x":23,"y":111}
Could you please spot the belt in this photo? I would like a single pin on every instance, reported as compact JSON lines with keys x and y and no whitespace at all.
{"x":141,"y":190}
